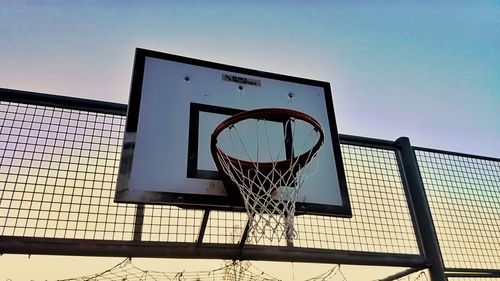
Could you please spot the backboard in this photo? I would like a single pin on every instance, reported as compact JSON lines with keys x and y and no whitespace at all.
{"x":175,"y":105}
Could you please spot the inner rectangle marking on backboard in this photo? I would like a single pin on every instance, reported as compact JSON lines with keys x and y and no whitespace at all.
{"x":203,"y":121}
{"x":193,"y":169}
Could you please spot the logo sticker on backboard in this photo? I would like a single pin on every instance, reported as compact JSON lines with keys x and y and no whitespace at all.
{"x":240,"y":80}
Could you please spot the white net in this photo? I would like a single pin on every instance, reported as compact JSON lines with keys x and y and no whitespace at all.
{"x":230,"y":271}
{"x":268,"y":175}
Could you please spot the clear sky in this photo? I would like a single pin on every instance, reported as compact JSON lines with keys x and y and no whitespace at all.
{"x":422,"y":69}
{"x":429,"y":71}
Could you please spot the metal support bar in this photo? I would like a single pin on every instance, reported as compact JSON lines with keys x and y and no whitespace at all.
{"x":411,"y":206}
{"x":203,"y":227}
{"x":139,"y":220}
{"x":366,"y":142}
{"x":401,"y":274}
{"x":244,"y":236}
{"x":462,"y":272}
{"x":149,"y":249}
{"x":422,"y":211}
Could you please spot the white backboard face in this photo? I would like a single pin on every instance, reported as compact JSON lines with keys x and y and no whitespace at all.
{"x":176,"y":103}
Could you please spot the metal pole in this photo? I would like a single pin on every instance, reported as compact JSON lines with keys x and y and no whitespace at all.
{"x":139,"y":220}
{"x":423,"y":215}
{"x":401,"y":274}
{"x":183,"y":250}
{"x":203,"y":227}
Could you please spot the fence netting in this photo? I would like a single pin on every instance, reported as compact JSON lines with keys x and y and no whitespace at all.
{"x":58,"y":169}
{"x":58,"y":174}
{"x":464,"y":198}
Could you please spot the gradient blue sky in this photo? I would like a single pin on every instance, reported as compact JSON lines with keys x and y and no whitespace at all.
{"x":429,"y":71}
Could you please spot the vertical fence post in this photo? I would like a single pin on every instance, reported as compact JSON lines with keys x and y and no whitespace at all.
{"x":423,"y":215}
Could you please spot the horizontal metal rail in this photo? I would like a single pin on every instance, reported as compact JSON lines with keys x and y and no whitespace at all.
{"x":472,"y":273}
{"x":103,"y":248}
{"x":367,"y":142}
{"x":456,"y":153}
{"x":62,"y":101}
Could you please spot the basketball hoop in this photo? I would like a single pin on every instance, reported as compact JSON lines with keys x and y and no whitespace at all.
{"x":254,"y":152}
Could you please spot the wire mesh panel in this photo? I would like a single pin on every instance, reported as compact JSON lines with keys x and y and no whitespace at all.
{"x":381,"y":219}
{"x":57,"y":174}
{"x":172,"y":224}
{"x":464,"y":198}
{"x":58,"y":169}
{"x":225,"y":227}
